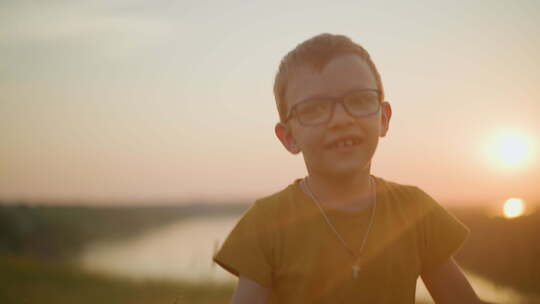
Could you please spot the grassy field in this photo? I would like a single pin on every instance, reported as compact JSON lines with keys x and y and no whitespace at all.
{"x":27,"y":280}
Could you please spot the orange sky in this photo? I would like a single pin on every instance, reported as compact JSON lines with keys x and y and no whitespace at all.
{"x":116,"y":101}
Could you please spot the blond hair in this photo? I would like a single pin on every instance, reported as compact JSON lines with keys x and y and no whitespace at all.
{"x":317,"y":52}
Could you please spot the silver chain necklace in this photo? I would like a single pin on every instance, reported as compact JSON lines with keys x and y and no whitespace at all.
{"x":355,"y":267}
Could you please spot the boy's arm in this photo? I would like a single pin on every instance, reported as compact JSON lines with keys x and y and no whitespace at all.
{"x":448,"y":284}
{"x":248,"y":292}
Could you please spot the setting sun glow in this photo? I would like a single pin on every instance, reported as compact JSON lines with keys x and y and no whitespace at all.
{"x":513,"y":207}
{"x":510,"y":149}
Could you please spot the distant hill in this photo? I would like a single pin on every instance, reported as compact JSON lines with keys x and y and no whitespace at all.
{"x":62,"y":231}
{"x":507,"y":251}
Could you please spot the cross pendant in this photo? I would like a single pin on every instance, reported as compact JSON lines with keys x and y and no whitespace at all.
{"x":355,"y":270}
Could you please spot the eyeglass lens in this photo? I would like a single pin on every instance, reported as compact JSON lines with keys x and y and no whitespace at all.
{"x":359,"y":103}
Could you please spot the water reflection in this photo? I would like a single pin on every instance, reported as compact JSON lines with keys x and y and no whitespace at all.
{"x":179,"y":251}
{"x":183,"y":251}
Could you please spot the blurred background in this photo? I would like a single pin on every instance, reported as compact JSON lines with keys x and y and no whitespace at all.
{"x":134,"y":134}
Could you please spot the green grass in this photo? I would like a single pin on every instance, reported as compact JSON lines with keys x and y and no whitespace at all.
{"x":26,"y":280}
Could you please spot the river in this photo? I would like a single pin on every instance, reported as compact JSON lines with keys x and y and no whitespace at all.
{"x":183,"y":251}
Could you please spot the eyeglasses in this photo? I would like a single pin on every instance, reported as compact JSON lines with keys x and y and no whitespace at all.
{"x":319,"y":110}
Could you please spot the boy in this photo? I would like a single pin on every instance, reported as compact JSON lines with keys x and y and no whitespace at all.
{"x":340,"y":235}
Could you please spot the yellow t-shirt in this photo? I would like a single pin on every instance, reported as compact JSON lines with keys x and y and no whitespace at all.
{"x":283,"y":243}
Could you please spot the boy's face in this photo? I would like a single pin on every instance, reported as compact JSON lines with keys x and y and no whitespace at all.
{"x":317,"y":143}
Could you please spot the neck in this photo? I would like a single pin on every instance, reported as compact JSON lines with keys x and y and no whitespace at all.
{"x":351,"y":193}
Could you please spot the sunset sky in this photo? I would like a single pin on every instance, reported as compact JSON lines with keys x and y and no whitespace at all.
{"x":146,"y":101}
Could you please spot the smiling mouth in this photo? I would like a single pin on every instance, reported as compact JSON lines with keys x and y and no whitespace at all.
{"x":343,"y":143}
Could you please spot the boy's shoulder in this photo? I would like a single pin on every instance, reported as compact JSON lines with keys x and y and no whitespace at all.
{"x":272,"y":209}
{"x":395,"y":188}
{"x":279,"y":199}
{"x":407,"y":197}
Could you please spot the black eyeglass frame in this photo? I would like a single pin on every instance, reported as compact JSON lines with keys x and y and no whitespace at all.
{"x":341,"y":100}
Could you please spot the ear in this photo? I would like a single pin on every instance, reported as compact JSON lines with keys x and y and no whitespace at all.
{"x":283,"y":132}
{"x":385,"y":118}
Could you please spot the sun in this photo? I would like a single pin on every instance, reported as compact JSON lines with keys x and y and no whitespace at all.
{"x":510,"y":149}
{"x":513,"y":207}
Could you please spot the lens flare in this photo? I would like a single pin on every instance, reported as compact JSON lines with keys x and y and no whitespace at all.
{"x":513,"y":207}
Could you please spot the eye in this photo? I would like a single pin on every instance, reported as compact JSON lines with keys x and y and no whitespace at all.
{"x":314,"y":107}
{"x":362,"y":100}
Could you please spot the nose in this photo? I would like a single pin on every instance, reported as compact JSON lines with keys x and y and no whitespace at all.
{"x":340,"y":116}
